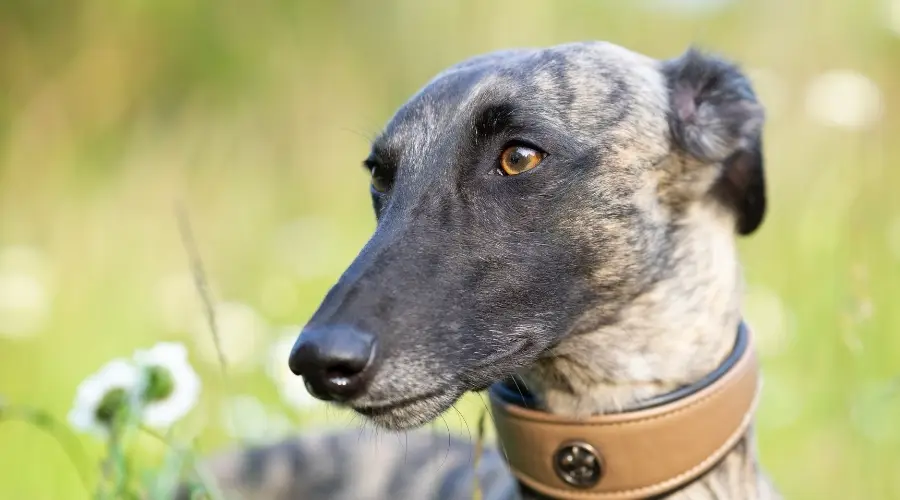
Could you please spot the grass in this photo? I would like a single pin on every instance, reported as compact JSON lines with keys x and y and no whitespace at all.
{"x":256,"y":120}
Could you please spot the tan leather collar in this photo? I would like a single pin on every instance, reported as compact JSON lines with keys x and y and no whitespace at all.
{"x":635,"y":454}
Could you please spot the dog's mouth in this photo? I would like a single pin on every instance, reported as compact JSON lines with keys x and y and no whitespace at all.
{"x":410,"y":412}
{"x":413,"y":411}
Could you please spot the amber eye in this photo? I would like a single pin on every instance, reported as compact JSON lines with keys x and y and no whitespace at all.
{"x":517,"y":159}
{"x":381,"y":181}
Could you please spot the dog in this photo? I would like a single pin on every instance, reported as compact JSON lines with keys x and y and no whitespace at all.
{"x":565,"y":215}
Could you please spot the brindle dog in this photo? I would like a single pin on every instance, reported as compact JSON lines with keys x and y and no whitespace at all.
{"x":567,"y":214}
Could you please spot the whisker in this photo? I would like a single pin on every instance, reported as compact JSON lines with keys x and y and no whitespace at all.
{"x":517,"y":387}
{"x":368,"y":136}
{"x":525,"y":385}
{"x":491,"y":416}
{"x":362,"y":430}
{"x":469,"y":431}
{"x":449,"y":438}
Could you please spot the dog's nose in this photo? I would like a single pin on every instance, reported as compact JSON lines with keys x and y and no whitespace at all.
{"x":335,"y":362}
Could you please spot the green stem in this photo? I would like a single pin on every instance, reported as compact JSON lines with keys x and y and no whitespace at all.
{"x":202,"y":475}
{"x":115,"y":467}
{"x":45,"y":422}
{"x":108,"y":468}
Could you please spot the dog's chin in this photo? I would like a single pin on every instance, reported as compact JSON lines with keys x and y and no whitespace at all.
{"x":409,"y":413}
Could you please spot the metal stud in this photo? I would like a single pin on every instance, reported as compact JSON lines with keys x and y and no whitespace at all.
{"x":579,"y":464}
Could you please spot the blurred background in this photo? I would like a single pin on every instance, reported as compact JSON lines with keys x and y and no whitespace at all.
{"x":255,"y":116}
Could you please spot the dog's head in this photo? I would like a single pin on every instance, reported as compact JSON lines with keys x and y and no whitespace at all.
{"x":518,"y":194}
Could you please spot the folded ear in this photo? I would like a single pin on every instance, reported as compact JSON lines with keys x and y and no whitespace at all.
{"x":716,"y":118}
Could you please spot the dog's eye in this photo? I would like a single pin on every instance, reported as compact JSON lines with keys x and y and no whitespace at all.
{"x":517,"y":159}
{"x":381,"y":181}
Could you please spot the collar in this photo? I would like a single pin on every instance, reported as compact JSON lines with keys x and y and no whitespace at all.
{"x":663,"y":444}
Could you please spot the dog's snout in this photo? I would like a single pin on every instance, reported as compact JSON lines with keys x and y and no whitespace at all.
{"x":335,"y":362}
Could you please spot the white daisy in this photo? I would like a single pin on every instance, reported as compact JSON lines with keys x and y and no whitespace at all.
{"x":102,"y":395}
{"x":290,"y":386}
{"x":170,"y":386}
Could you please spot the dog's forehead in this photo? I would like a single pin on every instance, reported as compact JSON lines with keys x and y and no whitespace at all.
{"x":582,"y":88}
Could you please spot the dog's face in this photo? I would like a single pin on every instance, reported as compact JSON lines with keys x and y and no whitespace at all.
{"x":522,"y":197}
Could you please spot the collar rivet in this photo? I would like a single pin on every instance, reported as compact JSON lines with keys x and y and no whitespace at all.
{"x":578,"y":464}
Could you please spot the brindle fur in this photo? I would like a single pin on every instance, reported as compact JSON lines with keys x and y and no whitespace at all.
{"x":606,"y":275}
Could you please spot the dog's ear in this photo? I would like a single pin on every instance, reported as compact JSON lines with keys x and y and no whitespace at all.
{"x":716,"y":118}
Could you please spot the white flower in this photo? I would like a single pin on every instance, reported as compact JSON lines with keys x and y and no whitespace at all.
{"x":170,"y":385}
{"x":291,"y":387}
{"x":845,"y":99}
{"x":102,"y":394}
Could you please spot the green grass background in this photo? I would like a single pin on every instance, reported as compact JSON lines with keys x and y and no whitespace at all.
{"x":256,"y":116}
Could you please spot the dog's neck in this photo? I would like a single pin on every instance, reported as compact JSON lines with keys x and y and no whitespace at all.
{"x":682,"y":328}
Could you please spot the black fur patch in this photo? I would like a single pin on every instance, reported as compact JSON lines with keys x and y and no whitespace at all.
{"x":742,"y":186}
{"x":716,"y":118}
